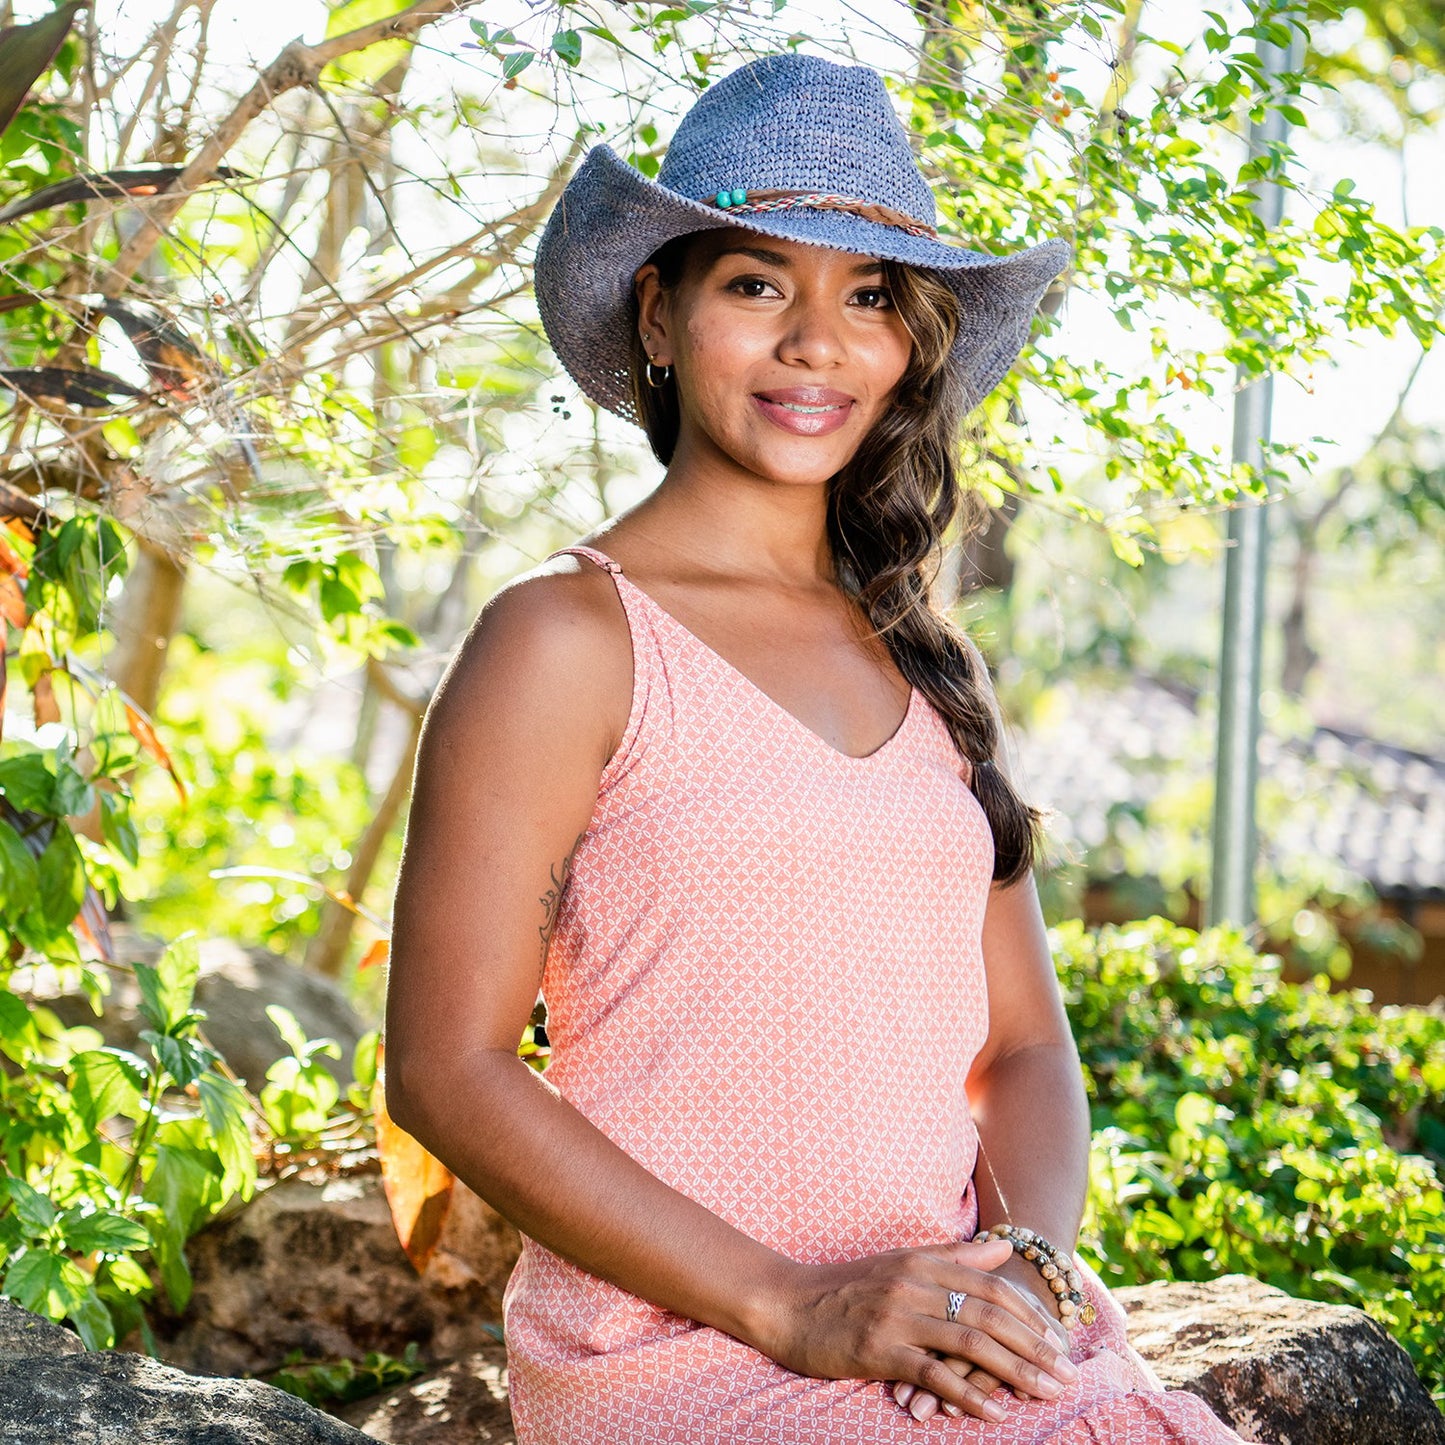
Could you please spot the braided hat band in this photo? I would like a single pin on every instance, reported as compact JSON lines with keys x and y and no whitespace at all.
{"x":838,"y":171}
{"x":742,"y":202}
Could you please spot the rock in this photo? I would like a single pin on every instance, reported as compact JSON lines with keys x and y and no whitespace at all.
{"x":235,"y":985}
{"x":53,"y":1391}
{"x":1280,"y":1370}
{"x":317,"y":1266}
{"x":464,"y":1403}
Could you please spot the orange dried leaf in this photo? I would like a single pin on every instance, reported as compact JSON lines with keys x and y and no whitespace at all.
{"x":10,"y":559}
{"x":47,"y":710}
{"x":379,"y":951}
{"x":418,"y":1185}
{"x":143,"y":731}
{"x":12,"y":603}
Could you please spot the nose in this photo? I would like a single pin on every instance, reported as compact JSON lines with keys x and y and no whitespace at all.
{"x":812,"y":334}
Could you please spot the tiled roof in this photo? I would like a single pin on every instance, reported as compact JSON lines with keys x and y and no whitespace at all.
{"x":1376,"y":809}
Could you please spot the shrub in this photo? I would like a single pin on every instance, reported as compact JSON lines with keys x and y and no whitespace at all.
{"x":1244,"y":1124}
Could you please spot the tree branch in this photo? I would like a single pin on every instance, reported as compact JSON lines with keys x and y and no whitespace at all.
{"x":297,"y":65}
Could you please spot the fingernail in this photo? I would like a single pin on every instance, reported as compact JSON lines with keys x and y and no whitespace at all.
{"x":922,"y":1408}
{"x":1048,"y":1387}
{"x":903,"y":1393}
{"x":994,"y":1410}
{"x":1065,"y":1369}
{"x":953,"y":1411}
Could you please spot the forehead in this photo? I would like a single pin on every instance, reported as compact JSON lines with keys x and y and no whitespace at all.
{"x":718,"y":244}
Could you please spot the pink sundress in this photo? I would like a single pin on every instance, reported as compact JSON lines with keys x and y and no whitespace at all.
{"x":766,"y":984}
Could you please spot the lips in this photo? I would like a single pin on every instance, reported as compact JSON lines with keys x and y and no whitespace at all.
{"x":806,"y":396}
{"x":778,"y":407}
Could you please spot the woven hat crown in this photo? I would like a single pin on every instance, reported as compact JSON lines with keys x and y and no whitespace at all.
{"x":786,"y":145}
{"x":797,"y":122}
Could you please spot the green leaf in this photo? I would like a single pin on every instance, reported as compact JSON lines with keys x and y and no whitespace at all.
{"x":1126,"y":548}
{"x":568,"y":44}
{"x":182,"y":1184}
{"x":93,"y":1321}
{"x":364,"y":67}
{"x":127,"y":1276}
{"x":292,"y":1034}
{"x":185,"y":1060}
{"x":168,"y":987}
{"x":106,"y":1082}
{"x":19,"y":872}
{"x":62,"y":879}
{"x":46,"y":1283}
{"x":516,"y":63}
{"x":101,"y":1229}
{"x":33,"y":1209}
{"x":27,"y":783}
{"x":225,"y":1107}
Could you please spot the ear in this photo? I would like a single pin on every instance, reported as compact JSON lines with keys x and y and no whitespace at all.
{"x":652,"y":309}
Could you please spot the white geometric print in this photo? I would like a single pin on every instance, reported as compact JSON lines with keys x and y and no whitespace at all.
{"x":766,"y":974}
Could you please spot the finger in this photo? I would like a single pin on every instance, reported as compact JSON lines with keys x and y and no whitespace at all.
{"x":981,"y":1254}
{"x":1008,"y":1296}
{"x":934,"y":1376}
{"x":989,"y":1336}
{"x":924,"y":1405}
{"x":903,"y":1392}
{"x":976,"y":1376}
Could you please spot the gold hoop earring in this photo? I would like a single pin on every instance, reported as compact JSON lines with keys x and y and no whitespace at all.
{"x":666,"y":372}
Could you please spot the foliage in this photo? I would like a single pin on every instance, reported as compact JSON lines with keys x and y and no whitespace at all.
{"x":324,"y":1383}
{"x":251,"y":806}
{"x":110,"y":1160}
{"x":1245,"y":1124}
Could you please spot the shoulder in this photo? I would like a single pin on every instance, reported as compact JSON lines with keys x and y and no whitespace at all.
{"x":550,"y":649}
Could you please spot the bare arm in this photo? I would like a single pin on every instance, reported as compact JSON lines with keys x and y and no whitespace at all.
{"x":507,"y":772}
{"x":506,"y":780}
{"x":1026,"y":1090}
{"x":1026,"y":1094}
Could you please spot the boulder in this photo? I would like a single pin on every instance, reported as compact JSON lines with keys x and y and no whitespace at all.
{"x":1280,"y":1370}
{"x":315,"y":1265}
{"x":236,"y":983}
{"x":52,"y":1390}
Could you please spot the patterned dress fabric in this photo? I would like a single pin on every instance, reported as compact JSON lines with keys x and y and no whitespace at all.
{"x":766,"y":984}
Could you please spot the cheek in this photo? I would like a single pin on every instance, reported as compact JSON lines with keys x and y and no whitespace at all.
{"x":890,"y":353}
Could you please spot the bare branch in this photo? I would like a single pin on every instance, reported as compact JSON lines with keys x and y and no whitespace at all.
{"x":297,"y":65}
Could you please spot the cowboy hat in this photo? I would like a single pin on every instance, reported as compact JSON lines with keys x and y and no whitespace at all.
{"x":787,"y":145}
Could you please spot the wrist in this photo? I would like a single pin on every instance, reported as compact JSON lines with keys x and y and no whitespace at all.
{"x":1024,"y":1277}
{"x":762,"y":1303}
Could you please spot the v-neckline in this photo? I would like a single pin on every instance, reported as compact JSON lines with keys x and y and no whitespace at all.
{"x":740,"y":676}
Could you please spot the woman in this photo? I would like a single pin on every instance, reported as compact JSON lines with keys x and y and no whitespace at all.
{"x":723,"y":784}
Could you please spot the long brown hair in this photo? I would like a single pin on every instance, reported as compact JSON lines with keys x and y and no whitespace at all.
{"x":888,"y":510}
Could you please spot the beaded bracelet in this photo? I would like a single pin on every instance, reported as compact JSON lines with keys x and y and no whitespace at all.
{"x":1056,"y":1267}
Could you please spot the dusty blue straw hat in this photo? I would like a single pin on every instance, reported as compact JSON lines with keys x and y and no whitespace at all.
{"x":787,"y":145}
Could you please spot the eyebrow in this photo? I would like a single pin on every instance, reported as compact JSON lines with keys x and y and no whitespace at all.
{"x":776,"y":258}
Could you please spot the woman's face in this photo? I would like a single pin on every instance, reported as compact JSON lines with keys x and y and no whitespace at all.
{"x":760,"y":326}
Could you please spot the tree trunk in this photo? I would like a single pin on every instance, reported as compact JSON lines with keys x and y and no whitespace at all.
{"x":148,"y":614}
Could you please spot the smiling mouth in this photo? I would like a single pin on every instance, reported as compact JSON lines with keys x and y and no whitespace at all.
{"x":806,"y":410}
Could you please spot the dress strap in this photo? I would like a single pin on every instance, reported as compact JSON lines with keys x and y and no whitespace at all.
{"x":592,"y":555}
{"x":651,"y":693}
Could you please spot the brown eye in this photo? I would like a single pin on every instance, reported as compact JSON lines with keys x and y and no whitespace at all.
{"x":747,"y":281}
{"x":878,"y":291}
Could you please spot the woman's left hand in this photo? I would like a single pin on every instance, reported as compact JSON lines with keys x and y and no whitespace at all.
{"x":923,"y":1404}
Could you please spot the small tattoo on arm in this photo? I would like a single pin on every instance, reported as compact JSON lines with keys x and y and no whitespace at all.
{"x":551,"y":900}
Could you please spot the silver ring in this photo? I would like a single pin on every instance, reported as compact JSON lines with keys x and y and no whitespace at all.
{"x":956,"y":1298}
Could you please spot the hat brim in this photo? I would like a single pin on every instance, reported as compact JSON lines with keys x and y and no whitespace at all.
{"x":610,"y":218}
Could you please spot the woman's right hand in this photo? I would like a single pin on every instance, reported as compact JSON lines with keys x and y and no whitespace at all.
{"x":882,"y":1318}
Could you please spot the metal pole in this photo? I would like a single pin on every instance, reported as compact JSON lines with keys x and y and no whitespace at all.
{"x":1231,"y":888}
